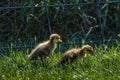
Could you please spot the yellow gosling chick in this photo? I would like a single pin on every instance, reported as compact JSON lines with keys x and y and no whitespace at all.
{"x":73,"y":54}
{"x":43,"y":50}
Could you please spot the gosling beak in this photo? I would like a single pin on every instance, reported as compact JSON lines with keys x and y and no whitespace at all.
{"x":60,"y":41}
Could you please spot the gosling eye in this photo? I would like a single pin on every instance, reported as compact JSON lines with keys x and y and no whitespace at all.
{"x":57,"y":38}
{"x":89,"y":50}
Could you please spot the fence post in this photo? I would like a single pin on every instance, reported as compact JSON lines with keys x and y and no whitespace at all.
{"x":48,"y":17}
{"x":100,"y":22}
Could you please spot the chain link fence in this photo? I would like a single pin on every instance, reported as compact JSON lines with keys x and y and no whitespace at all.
{"x":26,"y":22}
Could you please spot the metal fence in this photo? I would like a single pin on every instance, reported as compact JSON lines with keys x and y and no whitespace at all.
{"x":17,"y":15}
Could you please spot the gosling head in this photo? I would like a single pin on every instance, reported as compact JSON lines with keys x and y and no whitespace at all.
{"x":55,"y":38}
{"x":87,"y":49}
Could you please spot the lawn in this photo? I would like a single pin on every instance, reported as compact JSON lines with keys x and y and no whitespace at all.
{"x":101,"y":66}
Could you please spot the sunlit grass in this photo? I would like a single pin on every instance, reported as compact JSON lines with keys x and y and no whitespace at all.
{"x":106,"y":66}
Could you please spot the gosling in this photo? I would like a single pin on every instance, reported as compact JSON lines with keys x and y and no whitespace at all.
{"x":73,"y":54}
{"x":43,"y":50}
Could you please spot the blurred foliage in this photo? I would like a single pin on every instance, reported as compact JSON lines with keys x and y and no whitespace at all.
{"x":71,"y":22}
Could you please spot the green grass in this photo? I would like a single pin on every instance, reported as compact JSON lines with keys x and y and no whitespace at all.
{"x":106,"y":66}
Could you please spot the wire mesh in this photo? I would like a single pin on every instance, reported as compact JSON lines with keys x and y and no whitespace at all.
{"x":25,"y":20}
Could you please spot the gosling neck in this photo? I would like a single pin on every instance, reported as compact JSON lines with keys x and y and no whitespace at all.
{"x":53,"y":45}
{"x":51,"y":42}
{"x":82,"y":54}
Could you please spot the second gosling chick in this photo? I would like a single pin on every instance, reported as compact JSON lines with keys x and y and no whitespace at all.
{"x":43,"y":50}
{"x":73,"y":54}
